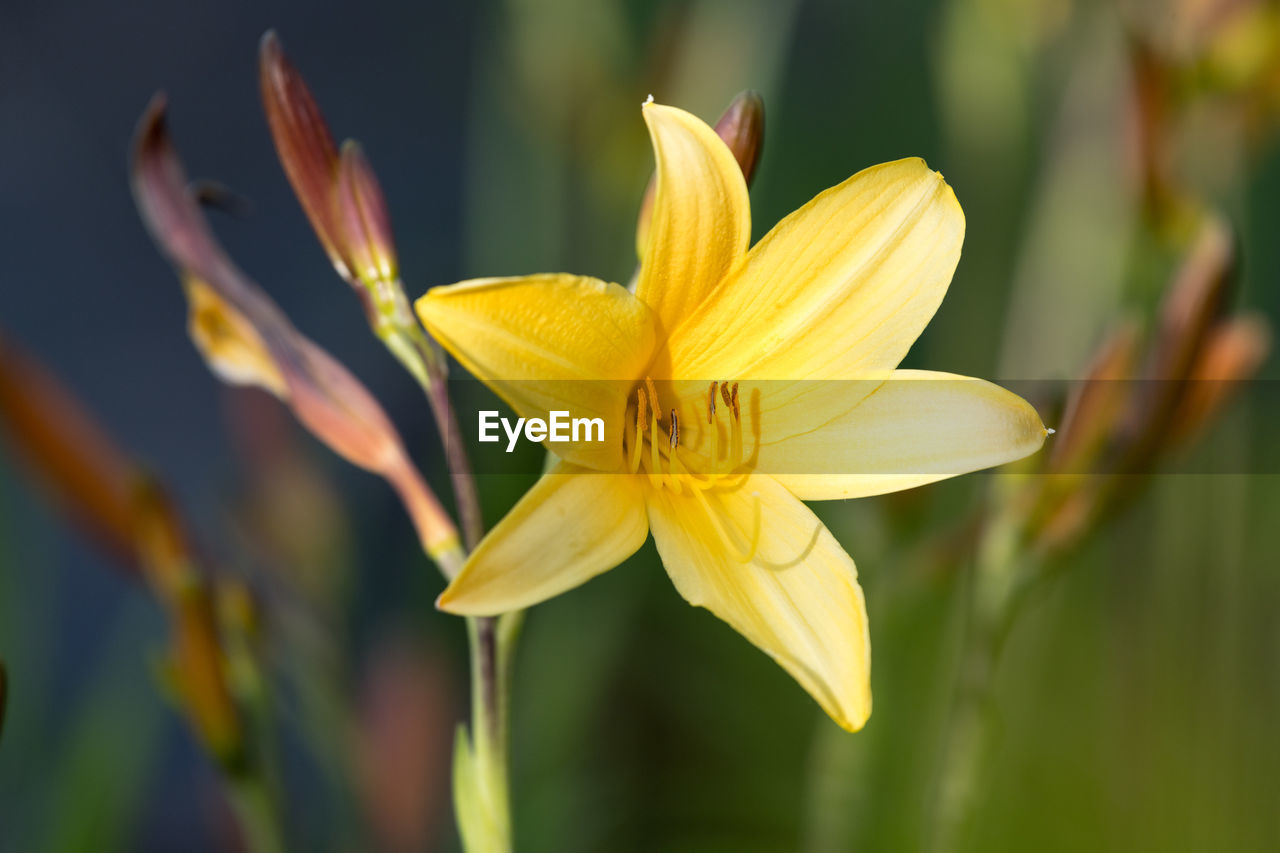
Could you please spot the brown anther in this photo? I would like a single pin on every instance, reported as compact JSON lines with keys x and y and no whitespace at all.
{"x":642,"y":409}
{"x":675,"y":430}
{"x":733,"y":401}
{"x":711,"y":404}
{"x":724,"y":394}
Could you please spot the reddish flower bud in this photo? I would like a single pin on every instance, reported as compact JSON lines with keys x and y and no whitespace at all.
{"x":365,"y":221}
{"x":247,"y":339}
{"x":338,"y":191}
{"x":742,"y":129}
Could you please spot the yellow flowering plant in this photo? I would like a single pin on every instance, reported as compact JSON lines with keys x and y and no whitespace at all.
{"x":746,"y":342}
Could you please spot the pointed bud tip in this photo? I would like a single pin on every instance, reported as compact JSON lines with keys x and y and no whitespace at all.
{"x":269,"y":44}
{"x":363,"y":219}
{"x":742,"y":129}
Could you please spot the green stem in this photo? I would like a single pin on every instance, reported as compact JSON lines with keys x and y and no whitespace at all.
{"x":482,"y":797}
{"x":257,"y":814}
{"x":482,"y":792}
{"x":406,"y":340}
{"x":1000,"y":580}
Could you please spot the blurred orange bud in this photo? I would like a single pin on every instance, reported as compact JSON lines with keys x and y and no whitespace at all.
{"x":1097,"y":403}
{"x":196,"y":660}
{"x":339,"y":192}
{"x":237,"y":608}
{"x":1194,"y":302}
{"x":163,"y":549}
{"x":1232,"y":354}
{"x":1192,"y":305}
{"x":247,"y":339}
{"x":742,"y":129}
{"x":199,"y":671}
{"x":103,"y":490}
{"x":65,"y":449}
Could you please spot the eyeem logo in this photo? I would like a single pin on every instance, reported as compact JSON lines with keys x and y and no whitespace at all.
{"x":561,"y":428}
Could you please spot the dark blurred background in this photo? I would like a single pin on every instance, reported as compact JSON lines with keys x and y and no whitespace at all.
{"x":1138,"y":693}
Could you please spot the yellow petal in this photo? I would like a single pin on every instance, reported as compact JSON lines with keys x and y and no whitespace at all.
{"x":701,"y":220}
{"x":840,"y":289}
{"x":572,"y":525}
{"x":549,"y":342}
{"x":229,"y":343}
{"x":797,"y":598}
{"x":916,"y":428}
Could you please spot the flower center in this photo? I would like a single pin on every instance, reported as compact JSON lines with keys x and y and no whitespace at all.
{"x":693,"y":454}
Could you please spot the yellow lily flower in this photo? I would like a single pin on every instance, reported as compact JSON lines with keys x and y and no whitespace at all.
{"x":734,"y":383}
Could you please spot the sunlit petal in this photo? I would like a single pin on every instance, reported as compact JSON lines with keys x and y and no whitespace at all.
{"x":572,"y":525}
{"x":916,"y":428}
{"x":549,"y":342}
{"x":701,"y":219}
{"x":797,"y":598}
{"x":840,"y":289}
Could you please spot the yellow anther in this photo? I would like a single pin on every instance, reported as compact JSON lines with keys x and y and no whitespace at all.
{"x":711,"y":403}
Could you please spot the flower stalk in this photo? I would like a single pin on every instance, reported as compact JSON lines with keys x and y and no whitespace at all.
{"x":343,"y":199}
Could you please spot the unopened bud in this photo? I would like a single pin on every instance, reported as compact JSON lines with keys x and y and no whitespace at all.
{"x":303,"y":143}
{"x":1194,"y":302}
{"x":1096,"y":405}
{"x":742,"y":129}
{"x":247,"y":338}
{"x":1232,"y":354}
{"x":200,"y":673}
{"x":162,"y":543}
{"x":67,"y":451}
{"x":366,"y":225}
{"x":338,"y":191}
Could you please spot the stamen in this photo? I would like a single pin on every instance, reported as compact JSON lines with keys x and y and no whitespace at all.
{"x":640,"y":425}
{"x":653,"y":394}
{"x":724,"y":392}
{"x":715,"y":429}
{"x":675,"y":431}
{"x":655,"y":459}
{"x":735,"y":447}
